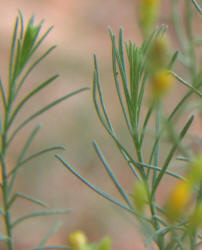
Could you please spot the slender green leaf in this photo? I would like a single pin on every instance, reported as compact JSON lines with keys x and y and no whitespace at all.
{"x":26,"y":197}
{"x":157,"y":132}
{"x":28,"y":143}
{"x":97,"y":84}
{"x":22,"y":61}
{"x":121,"y":68}
{"x":115,"y":74}
{"x":149,"y":166}
{"x":47,"y":107}
{"x":187,"y":84}
{"x":121,"y":49}
{"x":182,"y":158}
{"x":21,"y":25}
{"x":97,"y":107}
{"x":50,"y":233}
{"x":3,"y":95}
{"x":16,"y":69}
{"x":22,"y":154}
{"x":98,"y":191}
{"x":1,"y":126}
{"x":130,"y":164}
{"x":113,"y":177}
{"x":141,"y":93}
{"x":178,"y":26}
{"x":197,"y":6}
{"x":171,"y":116}
{"x":170,"y":155}
{"x":41,"y":40}
{"x":32,"y":67}
{"x":29,"y":96}
{"x":147,"y":42}
{"x":173,"y":60}
{"x":144,"y":127}
{"x":40,"y":213}
{"x":123,"y":151}
{"x":29,"y":158}
{"x":13,"y":45}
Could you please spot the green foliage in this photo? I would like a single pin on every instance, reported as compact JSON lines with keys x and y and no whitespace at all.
{"x":23,"y":47}
{"x":133,"y":73}
{"x":135,"y":69}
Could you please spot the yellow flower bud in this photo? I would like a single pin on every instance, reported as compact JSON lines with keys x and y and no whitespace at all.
{"x":195,"y":170}
{"x":159,"y":52}
{"x":140,"y":196}
{"x":161,"y":82}
{"x":77,"y":240}
{"x":148,"y":13}
{"x":178,"y":199}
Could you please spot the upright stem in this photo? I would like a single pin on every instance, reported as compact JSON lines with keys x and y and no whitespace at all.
{"x":5,"y":185}
{"x":189,"y":15}
{"x":7,"y":218}
{"x":157,"y":132}
{"x":156,"y":163}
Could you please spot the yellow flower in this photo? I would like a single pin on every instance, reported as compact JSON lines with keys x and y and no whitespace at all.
{"x":77,"y":240}
{"x":161,"y":82}
{"x":178,"y":199}
{"x":140,"y":196}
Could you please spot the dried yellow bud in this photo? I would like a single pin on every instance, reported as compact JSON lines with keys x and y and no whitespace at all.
{"x":77,"y":240}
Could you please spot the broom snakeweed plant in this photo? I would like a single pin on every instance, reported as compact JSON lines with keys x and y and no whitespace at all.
{"x":174,"y":225}
{"x":24,"y":45}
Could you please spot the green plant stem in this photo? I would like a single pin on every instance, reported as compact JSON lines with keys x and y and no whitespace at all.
{"x":197,"y":6}
{"x":193,"y":240}
{"x":5,"y":200}
{"x":160,"y":240}
{"x":178,"y":26}
{"x":189,"y":15}
{"x":156,"y":152}
{"x":5,"y":186}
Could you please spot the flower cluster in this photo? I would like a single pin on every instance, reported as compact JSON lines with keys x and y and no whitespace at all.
{"x":160,"y":78}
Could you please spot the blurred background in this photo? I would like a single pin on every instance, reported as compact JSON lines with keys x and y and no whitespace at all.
{"x":80,"y":29}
